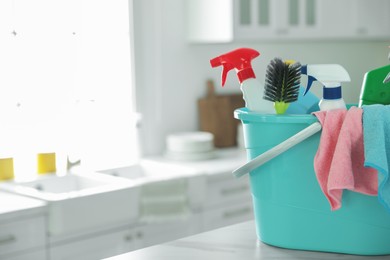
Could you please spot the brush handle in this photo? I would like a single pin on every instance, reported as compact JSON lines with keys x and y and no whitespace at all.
{"x":278,"y":149}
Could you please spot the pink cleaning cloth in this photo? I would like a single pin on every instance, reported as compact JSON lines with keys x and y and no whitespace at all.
{"x":339,"y":161}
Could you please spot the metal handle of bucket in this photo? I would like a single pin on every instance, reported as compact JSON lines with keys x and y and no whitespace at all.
{"x":278,"y":149}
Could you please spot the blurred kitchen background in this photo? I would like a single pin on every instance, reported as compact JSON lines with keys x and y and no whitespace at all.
{"x":173,"y":61}
{"x":104,"y":84}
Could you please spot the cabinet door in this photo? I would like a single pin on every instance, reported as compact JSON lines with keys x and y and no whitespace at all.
{"x":21,"y":235}
{"x":335,"y":18}
{"x":229,"y":215}
{"x":35,"y":255}
{"x":253,"y":19}
{"x":97,"y":247}
{"x":223,"y":190}
{"x":164,"y":231}
{"x":372,"y":19}
{"x":210,"y":21}
{"x":353,"y":19}
{"x":276,"y":19}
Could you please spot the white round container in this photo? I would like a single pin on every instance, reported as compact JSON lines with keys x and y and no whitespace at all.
{"x":190,"y":142}
{"x":190,"y":146}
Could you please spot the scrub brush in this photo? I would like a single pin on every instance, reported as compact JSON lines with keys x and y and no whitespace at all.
{"x":282,"y":83}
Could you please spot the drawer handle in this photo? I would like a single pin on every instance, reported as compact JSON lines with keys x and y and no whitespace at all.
{"x":236,"y":213}
{"x":140,"y":235}
{"x":128,"y":238}
{"x":7,"y":239}
{"x":234,"y":190}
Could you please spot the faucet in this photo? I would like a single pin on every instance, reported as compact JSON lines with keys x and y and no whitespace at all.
{"x":70,"y":164}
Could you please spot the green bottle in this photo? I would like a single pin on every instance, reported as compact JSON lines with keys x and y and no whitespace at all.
{"x":375,"y":89}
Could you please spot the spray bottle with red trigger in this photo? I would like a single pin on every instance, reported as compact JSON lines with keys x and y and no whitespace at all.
{"x":253,"y":91}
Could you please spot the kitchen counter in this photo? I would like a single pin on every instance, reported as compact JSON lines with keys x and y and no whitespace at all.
{"x":236,"y":242}
{"x":225,"y":160}
{"x":14,"y":206}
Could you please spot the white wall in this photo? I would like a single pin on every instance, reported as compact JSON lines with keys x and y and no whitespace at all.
{"x":171,"y":72}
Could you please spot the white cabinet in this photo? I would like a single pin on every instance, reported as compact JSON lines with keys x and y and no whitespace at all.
{"x":156,"y":233}
{"x":110,"y":242}
{"x":225,"y":200}
{"x":210,"y":21}
{"x":22,"y":235}
{"x":277,"y":19}
{"x":32,"y":255}
{"x":228,"y":201}
{"x":353,"y":19}
{"x":223,"y":189}
{"x":19,"y":236}
{"x":228,"y":215}
{"x":96,"y":246}
{"x":373,"y":19}
{"x":22,"y":228}
{"x":229,"y":20}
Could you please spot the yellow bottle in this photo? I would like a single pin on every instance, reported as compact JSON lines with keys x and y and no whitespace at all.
{"x":46,"y":163}
{"x":6,"y":169}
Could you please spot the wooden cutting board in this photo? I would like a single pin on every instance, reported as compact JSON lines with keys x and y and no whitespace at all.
{"x":216,"y":116}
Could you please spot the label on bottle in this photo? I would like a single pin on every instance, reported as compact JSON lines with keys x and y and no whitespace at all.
{"x":332,"y":93}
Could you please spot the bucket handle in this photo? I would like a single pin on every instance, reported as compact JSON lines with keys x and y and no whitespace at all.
{"x":278,"y":149}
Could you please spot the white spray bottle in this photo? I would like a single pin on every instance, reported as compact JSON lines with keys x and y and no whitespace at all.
{"x":253,"y":91}
{"x":330,"y":76}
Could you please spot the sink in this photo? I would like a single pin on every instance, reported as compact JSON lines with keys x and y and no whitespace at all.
{"x":166,"y":190}
{"x":54,"y":188}
{"x":147,"y":170}
{"x":81,"y":202}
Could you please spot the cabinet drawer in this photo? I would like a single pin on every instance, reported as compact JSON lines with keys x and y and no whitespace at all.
{"x":36,"y":255}
{"x":97,"y":247}
{"x":157,"y":233}
{"x":22,"y":234}
{"x":227,"y":215}
{"x":222,"y":191}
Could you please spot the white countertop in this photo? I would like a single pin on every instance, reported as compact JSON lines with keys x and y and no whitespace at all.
{"x":225,"y":160}
{"x":235,"y":242}
{"x":13,"y":206}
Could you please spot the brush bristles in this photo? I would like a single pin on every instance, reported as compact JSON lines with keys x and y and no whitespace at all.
{"x":282,"y":81}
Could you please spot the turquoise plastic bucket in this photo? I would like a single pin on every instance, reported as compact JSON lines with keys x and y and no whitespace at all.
{"x":290,"y":209}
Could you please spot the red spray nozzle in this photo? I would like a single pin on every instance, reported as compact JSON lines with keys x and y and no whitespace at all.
{"x":239,"y":59}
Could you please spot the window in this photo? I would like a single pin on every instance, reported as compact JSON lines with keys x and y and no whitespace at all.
{"x":66,"y":83}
